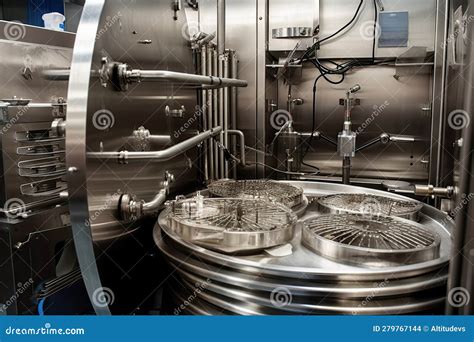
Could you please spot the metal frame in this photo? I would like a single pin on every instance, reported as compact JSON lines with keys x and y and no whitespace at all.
{"x":438,"y":114}
{"x":76,"y":146}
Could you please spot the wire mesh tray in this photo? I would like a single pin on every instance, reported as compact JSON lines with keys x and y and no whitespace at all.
{"x":370,"y":205}
{"x":289,"y":195}
{"x":231,"y":225}
{"x":379,"y":241}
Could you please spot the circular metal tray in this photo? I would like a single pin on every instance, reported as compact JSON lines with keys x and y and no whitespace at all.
{"x":245,"y":283}
{"x":231,"y":225}
{"x":370,"y":205}
{"x":376,"y":241}
{"x":287,"y":194}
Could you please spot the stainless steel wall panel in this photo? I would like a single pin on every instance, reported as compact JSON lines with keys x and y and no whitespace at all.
{"x":357,"y":42}
{"x":392,"y":106}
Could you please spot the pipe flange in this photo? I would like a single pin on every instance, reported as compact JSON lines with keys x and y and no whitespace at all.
{"x":130,"y":209}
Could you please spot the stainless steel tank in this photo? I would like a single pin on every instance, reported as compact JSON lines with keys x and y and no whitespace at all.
{"x":301,"y":281}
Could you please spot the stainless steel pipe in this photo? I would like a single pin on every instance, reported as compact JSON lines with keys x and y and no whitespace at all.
{"x":225,"y":123}
{"x":163,"y":155}
{"x":241,"y":137}
{"x":210,"y":112}
{"x":137,"y":75}
{"x":204,"y":110}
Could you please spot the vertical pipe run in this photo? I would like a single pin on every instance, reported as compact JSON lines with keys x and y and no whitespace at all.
{"x":220,"y":58}
{"x":203,"y":112}
{"x":215,"y":112}
{"x":233,"y":106}
{"x":346,"y":170}
{"x":221,"y":118}
{"x":226,"y":73}
{"x":220,"y":27}
{"x":210,"y":111}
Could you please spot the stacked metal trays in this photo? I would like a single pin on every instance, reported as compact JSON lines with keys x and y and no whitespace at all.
{"x":369,"y":204}
{"x":231,"y":225}
{"x":370,"y":240}
{"x":290,"y":195}
{"x":209,"y":283}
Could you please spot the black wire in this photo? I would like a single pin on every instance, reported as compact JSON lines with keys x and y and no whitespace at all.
{"x":345,"y":26}
{"x":341,"y":69}
{"x":316,"y":44}
{"x":313,"y":125}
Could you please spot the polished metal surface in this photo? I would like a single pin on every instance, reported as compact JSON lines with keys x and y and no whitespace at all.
{"x":231,"y":225}
{"x":35,"y":227}
{"x":369,"y":204}
{"x":304,"y":282}
{"x":396,"y":108}
{"x":289,"y":22}
{"x":286,"y":194}
{"x":370,"y":240}
{"x":356,"y":43}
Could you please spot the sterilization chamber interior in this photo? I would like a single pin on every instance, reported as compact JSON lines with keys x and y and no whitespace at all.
{"x":237,"y":157}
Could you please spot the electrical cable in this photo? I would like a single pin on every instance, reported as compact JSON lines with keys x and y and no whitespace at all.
{"x":340,"y":69}
{"x":302,"y":174}
{"x":318,"y":43}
